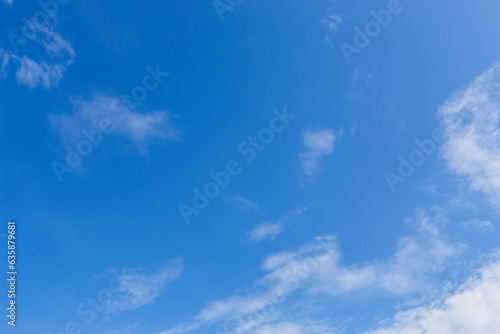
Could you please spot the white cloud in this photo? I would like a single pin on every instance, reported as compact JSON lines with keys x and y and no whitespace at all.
{"x":358,"y":83}
{"x":354,"y":127}
{"x":355,"y":93}
{"x":134,"y":124}
{"x":296,"y":327}
{"x":242,"y":203}
{"x":131,"y":329}
{"x":32,"y":74}
{"x":8,"y":2}
{"x":331,"y":23}
{"x":476,"y":224}
{"x":138,"y":287}
{"x":266,"y":231}
{"x":4,"y":61}
{"x":318,"y":144}
{"x":315,"y":269}
{"x":272,"y":230}
{"x":472,"y":309}
{"x":47,"y":71}
{"x":471,"y":120}
{"x":415,"y":256}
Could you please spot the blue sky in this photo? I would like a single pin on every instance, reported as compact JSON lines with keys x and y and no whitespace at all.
{"x":294,"y":167}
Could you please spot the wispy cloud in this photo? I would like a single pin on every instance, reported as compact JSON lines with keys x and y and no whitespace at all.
{"x":46,"y":71}
{"x":331,"y":23}
{"x":266,"y":231}
{"x":8,"y":2}
{"x":242,"y":203}
{"x":32,"y":74}
{"x":131,"y":329}
{"x":354,"y":127}
{"x":355,"y":93}
{"x":139,"y":287}
{"x":4,"y":61}
{"x":476,"y":224}
{"x":316,"y":269}
{"x":305,"y":326}
{"x":132,"y":123}
{"x":471,"y":122}
{"x":472,"y":309}
{"x":317,"y":144}
{"x":271,"y":230}
{"x":358,"y":83}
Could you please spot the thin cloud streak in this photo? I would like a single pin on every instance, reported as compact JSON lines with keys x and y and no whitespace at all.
{"x":271,"y":230}
{"x":139,"y":287}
